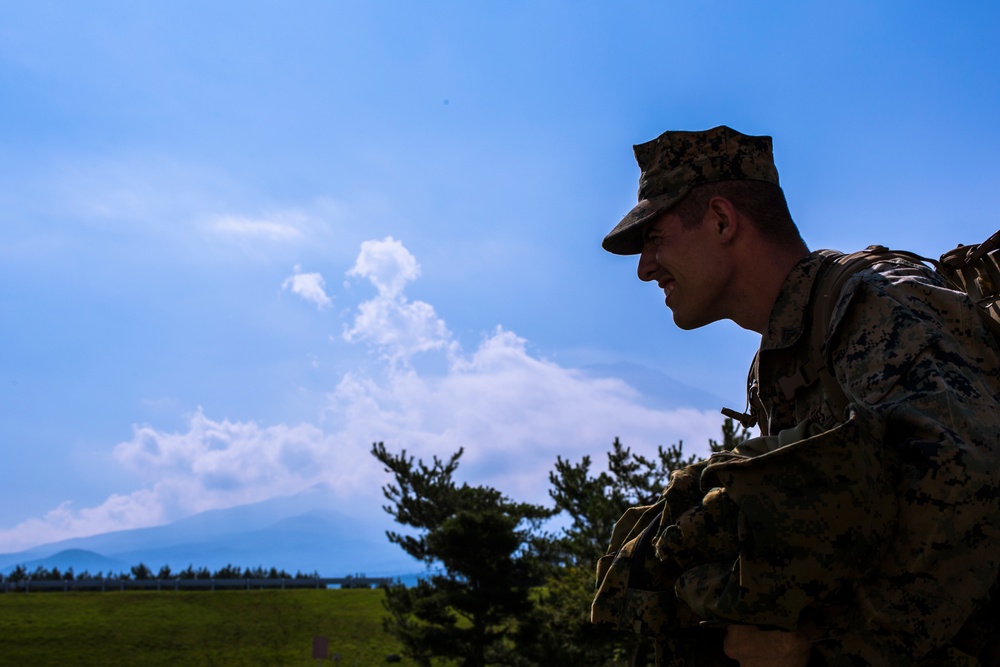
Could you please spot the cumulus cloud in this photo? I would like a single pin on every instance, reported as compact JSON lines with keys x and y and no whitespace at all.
{"x":225,"y":463}
{"x":309,"y":286}
{"x":213,"y":464}
{"x":397,"y":327}
{"x":387,"y":264}
{"x":140,"y":509}
{"x":511,"y":411}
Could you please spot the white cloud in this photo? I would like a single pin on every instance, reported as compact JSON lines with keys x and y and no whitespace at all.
{"x":513,"y":413}
{"x":241,"y":227}
{"x":387,"y":264}
{"x":214,"y":464}
{"x":309,"y":286}
{"x":224,"y":463}
{"x":140,"y":509}
{"x":398,"y":328}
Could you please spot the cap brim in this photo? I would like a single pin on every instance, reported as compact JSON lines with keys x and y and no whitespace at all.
{"x":627,"y":236}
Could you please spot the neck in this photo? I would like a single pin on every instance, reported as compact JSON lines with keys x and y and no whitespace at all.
{"x":761,"y":281}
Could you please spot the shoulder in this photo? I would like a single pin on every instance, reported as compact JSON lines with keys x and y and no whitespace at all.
{"x":892,"y":293}
{"x":893,"y":314}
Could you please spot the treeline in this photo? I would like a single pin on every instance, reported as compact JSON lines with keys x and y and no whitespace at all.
{"x":141,"y":572}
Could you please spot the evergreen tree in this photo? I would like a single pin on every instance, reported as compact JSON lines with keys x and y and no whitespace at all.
{"x":141,"y":572}
{"x":594,"y":502}
{"x":487,"y":550}
{"x":730,"y":437}
{"x":230,"y":571}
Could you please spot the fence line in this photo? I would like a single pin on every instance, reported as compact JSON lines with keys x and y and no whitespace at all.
{"x":118,"y":584}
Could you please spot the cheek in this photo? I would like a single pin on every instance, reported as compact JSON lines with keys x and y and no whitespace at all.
{"x":717,"y":282}
{"x":665,"y":255}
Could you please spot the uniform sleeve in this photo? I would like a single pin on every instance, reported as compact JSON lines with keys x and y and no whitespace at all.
{"x":906,"y":347}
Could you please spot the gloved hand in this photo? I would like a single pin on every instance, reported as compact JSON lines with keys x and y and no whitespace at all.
{"x":683,"y":492}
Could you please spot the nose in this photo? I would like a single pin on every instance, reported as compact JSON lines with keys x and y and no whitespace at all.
{"x":648,"y":265}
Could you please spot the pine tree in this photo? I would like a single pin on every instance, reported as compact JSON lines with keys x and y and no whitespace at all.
{"x":594,"y":502}
{"x":141,"y":572}
{"x":486,"y":549}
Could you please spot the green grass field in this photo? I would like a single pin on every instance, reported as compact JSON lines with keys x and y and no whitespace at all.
{"x":225,"y":629}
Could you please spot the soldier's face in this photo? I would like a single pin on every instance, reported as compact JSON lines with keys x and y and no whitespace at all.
{"x":688,"y":267}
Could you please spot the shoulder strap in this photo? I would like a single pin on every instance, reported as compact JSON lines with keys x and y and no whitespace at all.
{"x":838,"y":269}
{"x":814,"y":367}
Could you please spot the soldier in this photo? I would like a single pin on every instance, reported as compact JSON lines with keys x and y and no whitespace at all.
{"x":863,"y":527}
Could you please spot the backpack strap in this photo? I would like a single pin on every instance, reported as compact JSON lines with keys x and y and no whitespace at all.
{"x":814,"y":366}
{"x":838,"y":269}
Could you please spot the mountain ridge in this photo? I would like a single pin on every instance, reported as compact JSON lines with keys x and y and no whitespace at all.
{"x":297,"y":533}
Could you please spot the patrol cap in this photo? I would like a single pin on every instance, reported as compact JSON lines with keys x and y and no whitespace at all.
{"x":677,"y":161}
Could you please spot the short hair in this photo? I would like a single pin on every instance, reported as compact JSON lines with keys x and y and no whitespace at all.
{"x":762,"y":202}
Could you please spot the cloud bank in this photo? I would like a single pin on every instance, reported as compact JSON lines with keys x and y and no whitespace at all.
{"x":512,"y":412}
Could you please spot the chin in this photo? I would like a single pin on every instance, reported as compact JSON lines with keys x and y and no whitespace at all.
{"x":688,"y":324}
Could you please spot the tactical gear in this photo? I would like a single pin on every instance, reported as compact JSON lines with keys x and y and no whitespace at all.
{"x":634,"y":587}
{"x":635,"y":592}
{"x":897,"y":338}
{"x":813,"y":512}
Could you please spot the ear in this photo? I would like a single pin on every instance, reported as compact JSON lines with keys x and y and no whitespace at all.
{"x":725,"y":220}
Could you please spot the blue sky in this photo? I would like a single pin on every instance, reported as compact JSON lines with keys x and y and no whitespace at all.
{"x":242,"y":241}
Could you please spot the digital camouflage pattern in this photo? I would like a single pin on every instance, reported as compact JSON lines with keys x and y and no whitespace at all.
{"x":802,"y":517}
{"x":875,"y":532}
{"x":635,"y":588}
{"x":675,"y":162}
{"x":917,"y":356}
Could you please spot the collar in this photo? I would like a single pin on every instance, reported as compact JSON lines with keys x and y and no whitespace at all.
{"x":788,"y":317}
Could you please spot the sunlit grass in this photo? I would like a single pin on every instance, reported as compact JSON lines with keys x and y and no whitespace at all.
{"x":223,"y":628}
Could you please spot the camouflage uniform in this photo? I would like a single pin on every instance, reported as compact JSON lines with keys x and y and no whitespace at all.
{"x":874,"y":532}
{"x":917,"y":356}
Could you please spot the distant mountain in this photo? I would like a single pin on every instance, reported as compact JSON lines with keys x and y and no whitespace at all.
{"x":78,"y":559}
{"x":305,"y":532}
{"x":656,"y":389}
{"x":298,"y":533}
